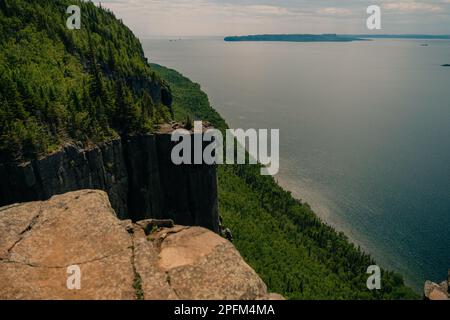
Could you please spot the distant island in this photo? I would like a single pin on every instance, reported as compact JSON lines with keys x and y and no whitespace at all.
{"x":332,"y":37}
{"x":296,"y":38}
{"x":446,"y":65}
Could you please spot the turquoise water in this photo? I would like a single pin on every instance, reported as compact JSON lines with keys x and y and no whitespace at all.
{"x":364,"y":130}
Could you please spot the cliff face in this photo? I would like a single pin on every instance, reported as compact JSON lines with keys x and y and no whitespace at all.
{"x":137,"y":174}
{"x":116,"y":259}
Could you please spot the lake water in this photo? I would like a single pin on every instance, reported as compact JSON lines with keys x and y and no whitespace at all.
{"x":364,"y":132}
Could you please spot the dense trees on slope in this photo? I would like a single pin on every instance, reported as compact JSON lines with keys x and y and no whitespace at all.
{"x":58,"y":85}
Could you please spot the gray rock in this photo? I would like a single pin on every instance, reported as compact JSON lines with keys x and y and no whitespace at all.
{"x":434,"y":291}
{"x":428,"y":287}
{"x":437,"y":294}
{"x":444,"y":286}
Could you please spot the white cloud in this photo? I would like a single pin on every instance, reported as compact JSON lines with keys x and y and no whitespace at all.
{"x":266,"y":10}
{"x":335,"y":11}
{"x":412,"y":6}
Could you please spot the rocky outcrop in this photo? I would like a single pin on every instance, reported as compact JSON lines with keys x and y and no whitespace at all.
{"x":117,"y":259}
{"x":434,"y":291}
{"x":136,"y":172}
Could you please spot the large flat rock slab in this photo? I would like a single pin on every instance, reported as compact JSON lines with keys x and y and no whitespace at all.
{"x":202,"y":265}
{"x":117,"y":259}
{"x":44,"y":238}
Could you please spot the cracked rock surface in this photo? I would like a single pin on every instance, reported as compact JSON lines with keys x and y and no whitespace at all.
{"x":117,"y":259}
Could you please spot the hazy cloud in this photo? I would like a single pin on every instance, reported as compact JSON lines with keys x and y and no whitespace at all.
{"x":168,"y":18}
{"x":335,"y":11}
{"x":412,"y":6}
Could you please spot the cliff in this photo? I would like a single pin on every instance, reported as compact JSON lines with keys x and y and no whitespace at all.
{"x":136,"y":172}
{"x":116,"y":259}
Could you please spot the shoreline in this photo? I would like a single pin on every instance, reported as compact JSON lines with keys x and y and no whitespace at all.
{"x":322,"y":209}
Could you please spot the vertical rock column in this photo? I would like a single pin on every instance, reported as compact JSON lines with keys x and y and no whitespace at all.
{"x":190,"y":191}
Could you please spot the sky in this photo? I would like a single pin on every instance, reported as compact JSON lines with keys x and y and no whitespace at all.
{"x":186,"y":18}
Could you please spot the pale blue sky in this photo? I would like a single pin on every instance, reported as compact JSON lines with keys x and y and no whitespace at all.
{"x":178,"y":18}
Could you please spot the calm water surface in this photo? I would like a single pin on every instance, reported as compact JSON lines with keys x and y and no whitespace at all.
{"x":364,"y":130}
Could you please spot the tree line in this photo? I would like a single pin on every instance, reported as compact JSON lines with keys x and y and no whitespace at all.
{"x":59,"y":85}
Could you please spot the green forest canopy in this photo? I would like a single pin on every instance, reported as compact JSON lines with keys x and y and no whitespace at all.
{"x":58,"y":85}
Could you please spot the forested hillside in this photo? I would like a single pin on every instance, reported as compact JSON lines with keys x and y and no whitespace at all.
{"x":90,"y":85}
{"x":59,"y":85}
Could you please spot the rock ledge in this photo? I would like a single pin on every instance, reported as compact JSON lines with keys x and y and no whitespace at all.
{"x":117,"y":259}
{"x":434,"y":291}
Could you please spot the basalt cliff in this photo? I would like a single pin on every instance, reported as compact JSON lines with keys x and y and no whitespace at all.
{"x":136,"y":172}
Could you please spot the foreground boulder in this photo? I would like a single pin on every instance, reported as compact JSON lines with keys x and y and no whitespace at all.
{"x":434,"y":291}
{"x":117,"y":259}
